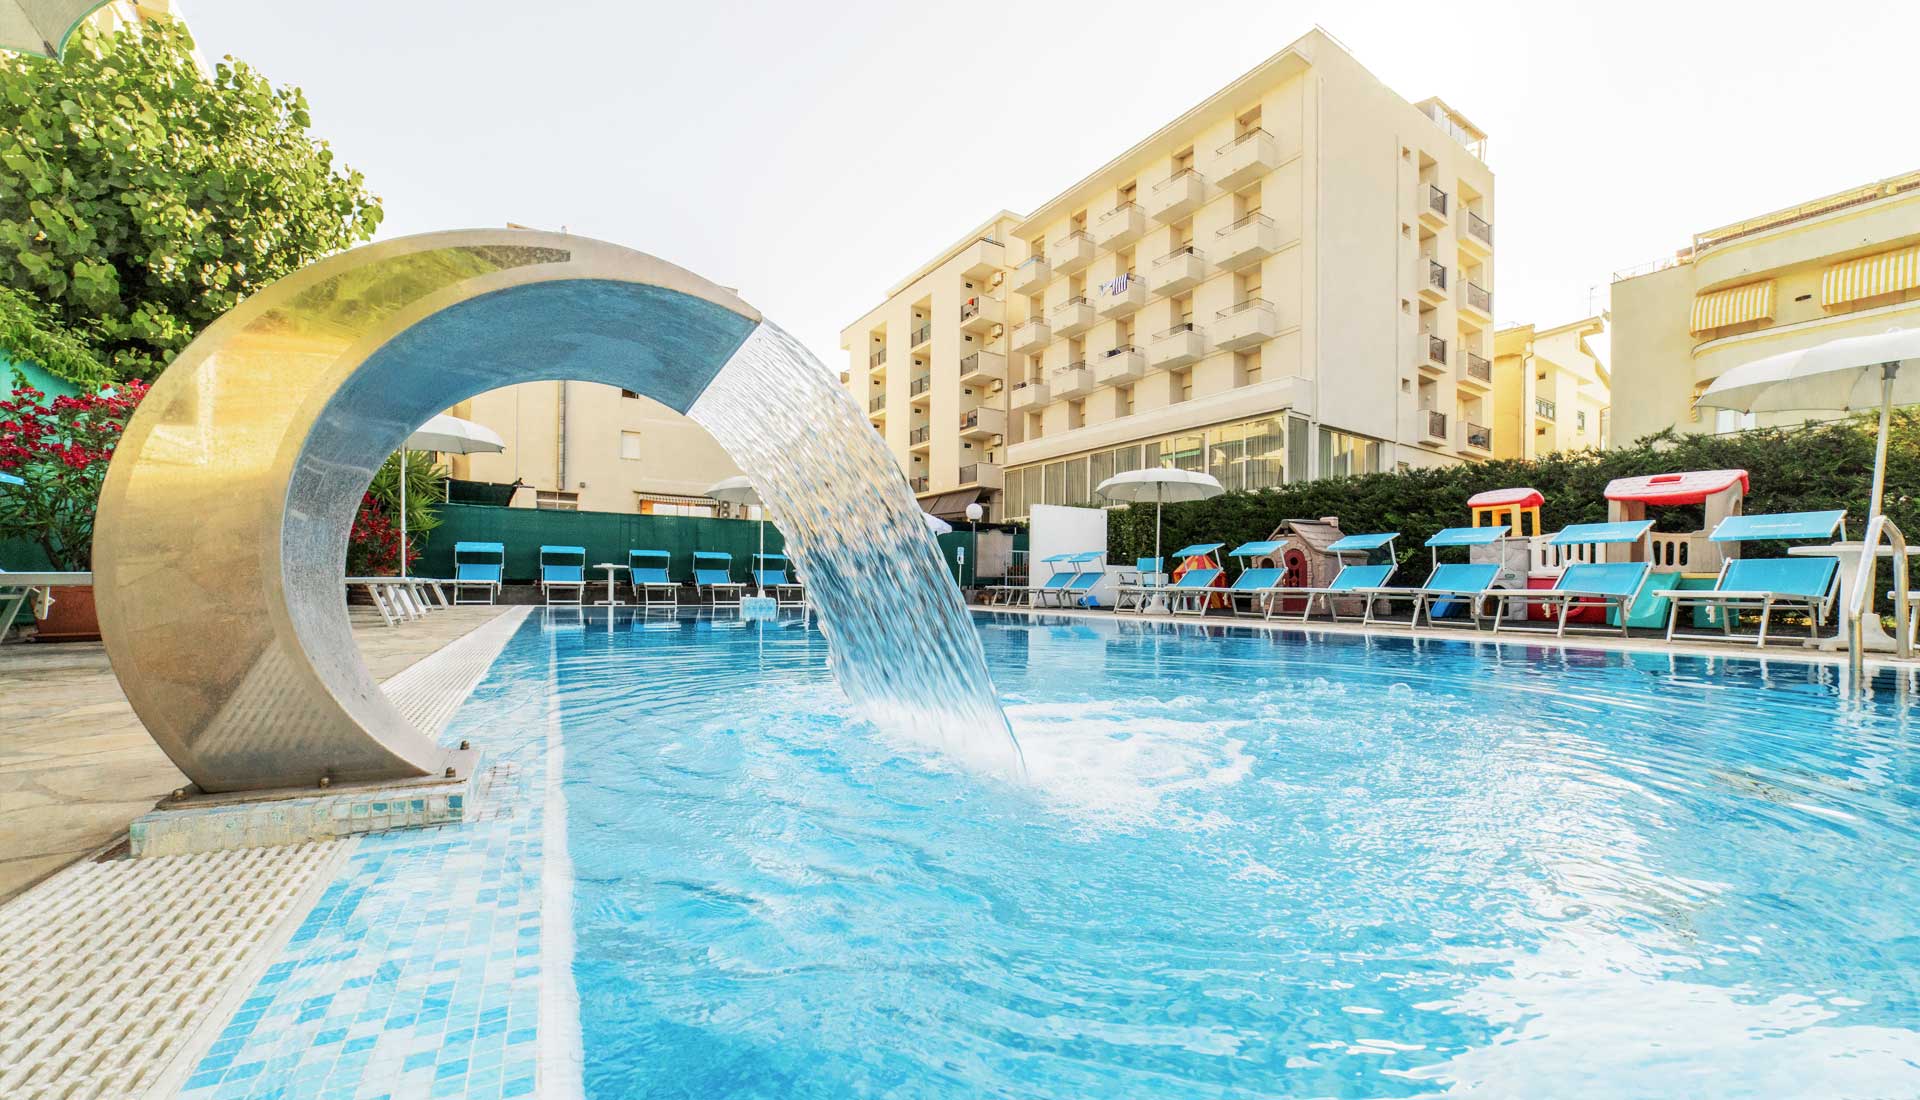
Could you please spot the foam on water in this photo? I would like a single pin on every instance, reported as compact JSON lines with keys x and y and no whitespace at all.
{"x":903,"y":648}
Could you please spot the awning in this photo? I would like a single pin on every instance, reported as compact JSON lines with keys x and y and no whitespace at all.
{"x":1587,"y":534}
{"x":1255,"y":549}
{"x":1507,"y":498}
{"x":1871,"y":276}
{"x":1783,"y":525}
{"x":951,"y":504}
{"x":1692,"y":487}
{"x":1363,"y":542}
{"x":1469,"y":536}
{"x":1732,"y":306}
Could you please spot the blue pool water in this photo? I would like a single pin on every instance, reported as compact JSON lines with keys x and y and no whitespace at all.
{"x":1244,"y":864}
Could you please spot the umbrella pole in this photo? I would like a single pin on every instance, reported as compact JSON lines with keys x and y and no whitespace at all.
{"x":403,"y":507}
{"x":1159,"y":602}
{"x":759,"y":575}
{"x":1888,"y":370}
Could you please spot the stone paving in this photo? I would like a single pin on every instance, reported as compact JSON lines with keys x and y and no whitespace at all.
{"x":76,"y":766}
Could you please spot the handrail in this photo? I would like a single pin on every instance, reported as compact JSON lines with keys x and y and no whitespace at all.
{"x":1863,"y":587}
{"x":1176,"y":177}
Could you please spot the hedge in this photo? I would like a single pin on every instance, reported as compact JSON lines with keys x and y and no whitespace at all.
{"x":1825,"y":465}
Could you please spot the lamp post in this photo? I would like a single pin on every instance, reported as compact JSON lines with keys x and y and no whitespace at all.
{"x":974,"y":512}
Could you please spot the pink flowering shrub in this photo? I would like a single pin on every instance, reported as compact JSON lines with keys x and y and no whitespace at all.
{"x":60,"y":449}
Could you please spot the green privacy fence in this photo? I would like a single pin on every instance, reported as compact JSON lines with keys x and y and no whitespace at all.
{"x":607,"y":536}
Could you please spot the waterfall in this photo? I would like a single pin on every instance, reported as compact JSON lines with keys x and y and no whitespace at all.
{"x":903,"y":647}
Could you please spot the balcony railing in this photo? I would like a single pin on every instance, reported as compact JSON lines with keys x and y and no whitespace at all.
{"x":919,"y":385}
{"x":920,"y":435}
{"x":1437,"y":200}
{"x":1478,"y":437}
{"x":1545,"y":409}
{"x":1120,"y":210}
{"x":879,"y":402}
{"x":969,"y":364}
{"x":1436,"y":349}
{"x":1176,"y":178}
{"x":1480,"y":367}
{"x":919,"y":484}
{"x":970,"y":474}
{"x":1479,"y":228}
{"x":971,"y":418}
{"x":1184,"y":326}
{"x":1077,"y":364}
{"x":1255,"y":218}
{"x":1436,"y":424}
{"x":969,"y":310}
{"x":1077,"y":235}
{"x":1242,"y":307}
{"x":1071,"y":303}
{"x":922,"y":334}
{"x":1480,"y":298}
{"x":1250,"y":135}
{"x":1436,"y":274}
{"x":1183,"y":250}
{"x":1123,"y":349}
{"x":877,"y":358}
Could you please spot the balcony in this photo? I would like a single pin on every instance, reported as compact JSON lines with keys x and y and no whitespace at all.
{"x":982,"y":423}
{"x":1544,"y":409}
{"x":1245,"y":159}
{"x":1433,"y":359}
{"x":1121,"y":297}
{"x":877,"y":360}
{"x":1176,"y":196}
{"x":1070,"y":381}
{"x":877,"y":404}
{"x":917,"y":391}
{"x":1249,"y":240}
{"x":1476,"y":370}
{"x":981,"y":368}
{"x":1433,"y":287}
{"x":1478,"y":238}
{"x":1178,"y":270}
{"x":1479,"y":439}
{"x":1476,"y":301}
{"x":920,"y":438}
{"x":1120,"y":226}
{"x":986,"y":475}
{"x":982,"y":258}
{"x":1251,"y":322}
{"x":1434,"y":425}
{"x":1073,"y":316}
{"x":1033,"y":276}
{"x":922,"y":332}
{"x":1028,"y":395}
{"x":917,"y":484}
{"x":1182,"y":344}
{"x":1032,"y":336}
{"x":1433,"y":207}
{"x":980,"y":315}
{"x":1071,"y":252}
{"x":1119,"y":366}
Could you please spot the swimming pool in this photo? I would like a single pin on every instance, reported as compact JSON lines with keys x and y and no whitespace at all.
{"x":1247,"y":863}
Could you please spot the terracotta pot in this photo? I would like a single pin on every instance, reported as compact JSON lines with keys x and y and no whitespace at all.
{"x":71,"y":618}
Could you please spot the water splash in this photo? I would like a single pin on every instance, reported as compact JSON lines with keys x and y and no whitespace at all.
{"x":903,"y":647}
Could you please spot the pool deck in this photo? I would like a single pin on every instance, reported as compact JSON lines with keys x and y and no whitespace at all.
{"x":76,"y":765}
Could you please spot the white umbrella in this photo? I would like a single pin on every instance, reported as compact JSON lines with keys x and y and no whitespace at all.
{"x":1858,"y":372}
{"x":739,"y":490}
{"x":1162,"y":486}
{"x":937,"y":525}
{"x":446,"y":435}
{"x":42,"y":26}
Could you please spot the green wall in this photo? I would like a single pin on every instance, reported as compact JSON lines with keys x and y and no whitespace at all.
{"x":607,"y":536}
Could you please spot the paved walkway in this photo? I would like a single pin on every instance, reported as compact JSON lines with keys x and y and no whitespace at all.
{"x":76,"y":765}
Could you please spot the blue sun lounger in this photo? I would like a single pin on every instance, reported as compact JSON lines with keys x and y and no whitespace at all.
{"x":1354,"y":577}
{"x":1452,"y":587}
{"x":651,"y":575}
{"x":1252,"y":585}
{"x":713,"y":575}
{"x":1137,"y":587}
{"x":478,"y":565}
{"x":1194,"y":591}
{"x":1077,"y":574}
{"x":1057,"y":580}
{"x":1809,"y":584}
{"x":770,"y":577}
{"x":1611,"y":586}
{"x":563,"y":572}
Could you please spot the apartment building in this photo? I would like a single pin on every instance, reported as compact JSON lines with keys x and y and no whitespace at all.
{"x":1551,"y":391}
{"x":1291,"y":280}
{"x":591,"y":447}
{"x":1841,"y":265}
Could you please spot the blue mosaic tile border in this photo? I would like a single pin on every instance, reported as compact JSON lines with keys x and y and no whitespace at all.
{"x":417,"y":974}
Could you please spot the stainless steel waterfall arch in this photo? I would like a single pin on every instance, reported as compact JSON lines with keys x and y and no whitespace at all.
{"x":223,"y":523}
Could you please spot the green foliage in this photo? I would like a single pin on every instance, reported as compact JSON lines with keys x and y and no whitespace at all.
{"x":140,"y":199}
{"x":1820,"y":466}
{"x":373,"y":545}
{"x":26,"y":333}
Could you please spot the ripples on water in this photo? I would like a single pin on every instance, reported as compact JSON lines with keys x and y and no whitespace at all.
{"x":1245,"y":865}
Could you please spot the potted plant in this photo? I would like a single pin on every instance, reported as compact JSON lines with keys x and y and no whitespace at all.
{"x":59,"y":450}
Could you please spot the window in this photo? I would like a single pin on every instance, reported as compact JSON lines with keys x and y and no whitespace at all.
{"x":630,"y":446}
{"x":556,"y":501}
{"x":1580,"y":420}
{"x":1299,"y":438}
{"x":1183,"y":385}
{"x":630,"y":393}
{"x":1344,"y":455}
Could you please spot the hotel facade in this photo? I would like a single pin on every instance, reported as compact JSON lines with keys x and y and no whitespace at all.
{"x":1845,"y":264}
{"x":1551,"y":392}
{"x":1292,"y":280}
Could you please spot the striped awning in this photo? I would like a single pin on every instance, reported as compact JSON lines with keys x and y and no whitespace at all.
{"x":1871,"y":276}
{"x":1733,"y":306}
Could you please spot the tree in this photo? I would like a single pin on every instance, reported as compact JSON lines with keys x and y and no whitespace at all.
{"x":141,"y":198}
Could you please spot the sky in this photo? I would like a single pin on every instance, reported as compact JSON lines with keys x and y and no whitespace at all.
{"x":811,"y":153}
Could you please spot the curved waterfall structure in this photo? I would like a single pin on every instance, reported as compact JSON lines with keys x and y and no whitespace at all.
{"x":223,"y":525}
